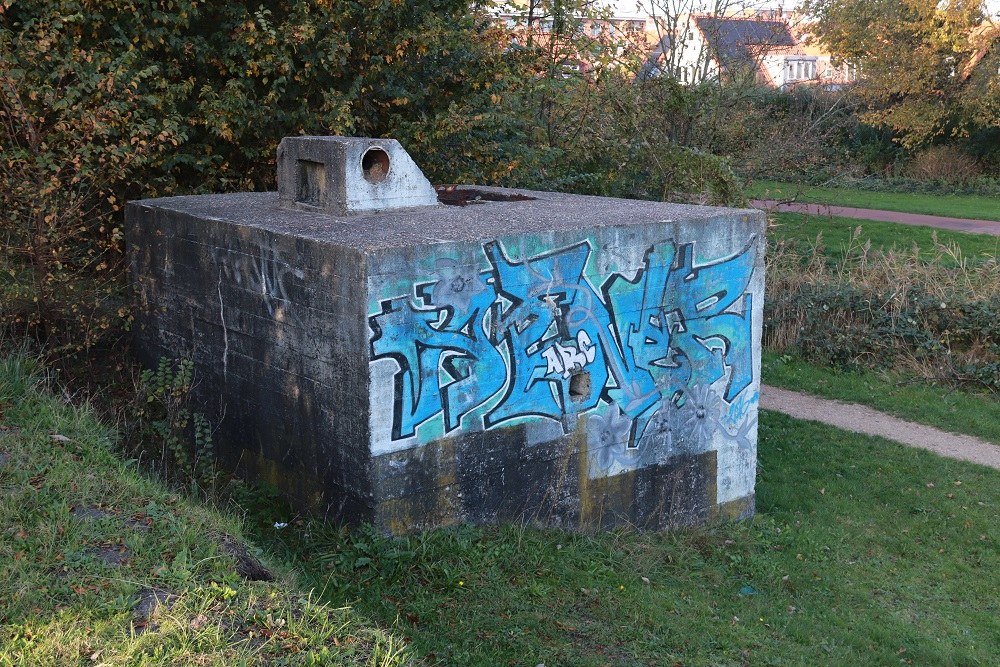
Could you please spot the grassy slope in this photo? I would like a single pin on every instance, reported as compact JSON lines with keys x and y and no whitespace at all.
{"x":954,"y":206}
{"x":864,"y":552}
{"x":65,"y":603}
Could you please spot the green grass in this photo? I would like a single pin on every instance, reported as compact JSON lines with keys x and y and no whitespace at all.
{"x":82,"y":534}
{"x":895,"y":393}
{"x":837,"y":234}
{"x":864,"y":552}
{"x":975,"y":207}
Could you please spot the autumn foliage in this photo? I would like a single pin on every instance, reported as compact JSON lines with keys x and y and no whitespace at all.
{"x":106,"y":100}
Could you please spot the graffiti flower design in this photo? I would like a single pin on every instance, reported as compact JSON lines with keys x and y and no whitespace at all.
{"x":744,"y":442}
{"x":457,"y":285}
{"x":656,"y":437}
{"x":660,"y":440}
{"x":611,"y":431}
{"x":702,"y":412}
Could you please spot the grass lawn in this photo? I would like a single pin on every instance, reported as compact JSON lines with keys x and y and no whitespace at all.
{"x":100,"y":565}
{"x":954,"y":206}
{"x":837,"y":234}
{"x":864,"y":552}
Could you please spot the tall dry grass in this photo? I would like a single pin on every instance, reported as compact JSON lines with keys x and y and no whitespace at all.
{"x":935,"y":313}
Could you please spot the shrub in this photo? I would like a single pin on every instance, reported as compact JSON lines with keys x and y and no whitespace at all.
{"x":634,"y":139}
{"x":939,"y":315}
{"x":943,"y":163}
{"x":795,"y":135}
{"x":104,"y":101}
{"x":75,"y":125}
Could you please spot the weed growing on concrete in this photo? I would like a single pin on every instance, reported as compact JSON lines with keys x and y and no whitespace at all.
{"x":183,"y":434}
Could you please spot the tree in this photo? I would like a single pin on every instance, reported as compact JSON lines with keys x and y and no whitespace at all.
{"x":103,"y":100}
{"x":929,"y":69}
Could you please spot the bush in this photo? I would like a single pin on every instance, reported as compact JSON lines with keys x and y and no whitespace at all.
{"x":100,"y":102}
{"x":983,"y":186}
{"x":75,"y":125}
{"x":938,"y":315}
{"x":871,"y":150}
{"x":795,"y":135}
{"x":634,"y":139}
{"x":943,"y":164}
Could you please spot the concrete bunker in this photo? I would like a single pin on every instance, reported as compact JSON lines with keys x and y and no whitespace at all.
{"x":576,"y":361}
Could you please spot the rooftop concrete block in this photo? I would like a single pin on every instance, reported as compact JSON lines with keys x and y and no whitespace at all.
{"x":344,"y":175}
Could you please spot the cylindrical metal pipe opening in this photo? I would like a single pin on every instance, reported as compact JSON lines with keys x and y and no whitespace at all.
{"x":375,"y":165}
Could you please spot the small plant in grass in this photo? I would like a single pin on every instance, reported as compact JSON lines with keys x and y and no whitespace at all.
{"x":184,"y":436}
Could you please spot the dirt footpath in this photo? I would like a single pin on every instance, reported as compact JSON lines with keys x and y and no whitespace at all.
{"x":861,"y":419}
{"x":956,"y":224}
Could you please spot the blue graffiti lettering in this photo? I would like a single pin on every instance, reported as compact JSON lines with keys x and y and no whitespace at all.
{"x":532,"y":337}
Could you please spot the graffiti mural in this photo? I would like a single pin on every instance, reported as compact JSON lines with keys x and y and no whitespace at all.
{"x":648,"y":356}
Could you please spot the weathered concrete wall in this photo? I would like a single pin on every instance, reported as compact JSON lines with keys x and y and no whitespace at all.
{"x":579,"y":361}
{"x":588,"y":378}
{"x":275,"y":327}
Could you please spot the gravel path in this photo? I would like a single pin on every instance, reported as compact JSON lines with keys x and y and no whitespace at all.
{"x":957,"y":224}
{"x":861,"y":419}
